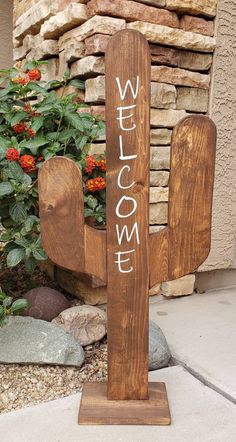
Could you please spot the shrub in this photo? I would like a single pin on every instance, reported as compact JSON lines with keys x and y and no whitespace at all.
{"x":35,"y":125}
{"x":9,"y":307}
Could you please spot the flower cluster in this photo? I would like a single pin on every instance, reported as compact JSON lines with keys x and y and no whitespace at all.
{"x":12,"y":154}
{"x":92,"y":163}
{"x":27,"y":162}
{"x":94,"y":167}
{"x":32,"y":75}
{"x":96,"y":184}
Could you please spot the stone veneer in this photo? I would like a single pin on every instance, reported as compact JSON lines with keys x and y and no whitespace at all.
{"x":73,"y":35}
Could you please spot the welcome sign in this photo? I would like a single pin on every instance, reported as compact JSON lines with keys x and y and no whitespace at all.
{"x":128,"y":152}
{"x":126,"y":257}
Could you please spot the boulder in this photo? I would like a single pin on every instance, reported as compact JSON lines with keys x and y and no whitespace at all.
{"x":45,"y":303}
{"x":32,"y":341}
{"x":159,"y":352}
{"x":86,"y":323}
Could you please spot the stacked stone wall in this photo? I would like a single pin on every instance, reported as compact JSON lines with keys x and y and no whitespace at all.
{"x":73,"y":36}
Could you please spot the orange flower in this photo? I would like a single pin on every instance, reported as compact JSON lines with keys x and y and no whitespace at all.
{"x":20,"y":80}
{"x":27,"y":162}
{"x":90,"y":164}
{"x":31,"y":132}
{"x":19,"y":128}
{"x":27,"y":108}
{"x":102,"y":165}
{"x":12,"y":154}
{"x":96,"y":184}
{"x":34,"y":74}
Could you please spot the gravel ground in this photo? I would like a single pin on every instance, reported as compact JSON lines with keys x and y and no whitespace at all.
{"x":24,"y":385}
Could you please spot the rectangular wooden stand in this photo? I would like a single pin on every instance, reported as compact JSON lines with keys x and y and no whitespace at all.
{"x":96,"y":409}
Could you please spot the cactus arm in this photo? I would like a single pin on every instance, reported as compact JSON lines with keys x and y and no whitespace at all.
{"x":61,"y":212}
{"x":185,"y":244}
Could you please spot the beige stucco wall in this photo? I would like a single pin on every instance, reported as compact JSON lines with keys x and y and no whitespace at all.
{"x":6,"y":10}
{"x":223,"y":112}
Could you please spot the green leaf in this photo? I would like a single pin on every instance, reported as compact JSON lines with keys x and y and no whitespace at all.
{"x":29,"y":65}
{"x":81,"y":141}
{"x":75,"y":121}
{"x":14,"y":171}
{"x":37,"y":123}
{"x":26,"y":179}
{"x":19,"y":304}
{"x":7,"y":301}
{"x":30,"y":265}
{"x":22,"y":242}
{"x":1,"y":311}
{"x":53,"y":84}
{"x":5,"y":188}
{"x":18,"y":212}
{"x":77,"y":83}
{"x":91,"y":201}
{"x":14,"y":257}
{"x":29,"y":223}
{"x":65,"y":135}
{"x":39,"y":254}
{"x":34,"y":144}
{"x":18,"y":117}
{"x":3,"y":142}
{"x":31,"y":86}
{"x":3,"y":127}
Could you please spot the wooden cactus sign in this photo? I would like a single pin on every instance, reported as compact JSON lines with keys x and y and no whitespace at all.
{"x":126,"y":256}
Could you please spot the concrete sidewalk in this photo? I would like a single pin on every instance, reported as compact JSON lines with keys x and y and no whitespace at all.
{"x":199,"y":414}
{"x":201,"y":331}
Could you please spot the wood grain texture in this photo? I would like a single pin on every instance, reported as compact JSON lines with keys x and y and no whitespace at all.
{"x":128,"y":292}
{"x":185,"y":244}
{"x":96,"y":409}
{"x":68,"y":242}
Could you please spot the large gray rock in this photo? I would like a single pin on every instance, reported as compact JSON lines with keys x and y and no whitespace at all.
{"x":27,"y":340}
{"x":86,"y":323}
{"x":159,"y":352}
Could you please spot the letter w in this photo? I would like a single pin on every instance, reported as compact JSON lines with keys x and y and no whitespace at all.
{"x":125,"y":231}
{"x":128,"y":84}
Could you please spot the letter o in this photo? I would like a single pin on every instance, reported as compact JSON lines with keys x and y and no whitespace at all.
{"x":126,"y":198}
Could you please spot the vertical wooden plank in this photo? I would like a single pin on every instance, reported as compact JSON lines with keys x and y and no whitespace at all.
{"x":127,"y":122}
{"x":185,"y":243}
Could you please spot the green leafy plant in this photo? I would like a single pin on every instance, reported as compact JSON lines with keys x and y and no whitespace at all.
{"x":9,"y":307}
{"x":38,"y":122}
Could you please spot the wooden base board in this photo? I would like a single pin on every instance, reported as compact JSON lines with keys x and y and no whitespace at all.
{"x":96,"y":409}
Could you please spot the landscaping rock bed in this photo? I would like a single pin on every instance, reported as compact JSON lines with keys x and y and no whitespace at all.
{"x":24,"y":385}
